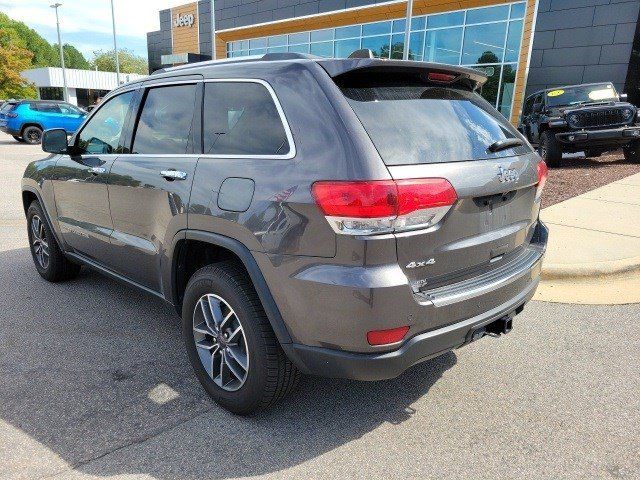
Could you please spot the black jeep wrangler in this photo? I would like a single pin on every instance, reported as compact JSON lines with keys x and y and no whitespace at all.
{"x":590,"y":118}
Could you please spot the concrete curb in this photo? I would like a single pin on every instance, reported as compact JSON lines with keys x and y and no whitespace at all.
{"x":563,"y":271}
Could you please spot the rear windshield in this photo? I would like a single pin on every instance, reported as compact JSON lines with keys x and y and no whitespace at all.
{"x":430,"y":124}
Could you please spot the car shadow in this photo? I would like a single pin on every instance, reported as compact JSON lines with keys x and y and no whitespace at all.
{"x":94,"y":373}
{"x":605,"y":161}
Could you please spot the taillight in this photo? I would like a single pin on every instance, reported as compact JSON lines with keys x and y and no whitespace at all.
{"x":386,"y":337}
{"x":543,"y":173}
{"x":383,"y":206}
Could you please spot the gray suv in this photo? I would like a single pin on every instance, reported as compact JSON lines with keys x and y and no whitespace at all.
{"x":339,"y":217}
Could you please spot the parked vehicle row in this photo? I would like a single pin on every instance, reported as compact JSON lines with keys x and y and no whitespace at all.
{"x":339,"y":217}
{"x":592,"y":118}
{"x":25,"y":120}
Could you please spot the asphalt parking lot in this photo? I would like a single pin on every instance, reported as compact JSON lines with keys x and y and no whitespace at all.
{"x":94,"y":383}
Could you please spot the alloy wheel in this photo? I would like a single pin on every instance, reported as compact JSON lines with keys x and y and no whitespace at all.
{"x":39,"y":241}
{"x":220,"y":342}
{"x":33,"y":136}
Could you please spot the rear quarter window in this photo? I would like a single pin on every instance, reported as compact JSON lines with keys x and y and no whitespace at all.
{"x":241,"y":118}
{"x":416,"y":124}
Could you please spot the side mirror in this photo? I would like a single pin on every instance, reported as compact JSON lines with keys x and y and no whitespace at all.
{"x":55,"y":140}
{"x":623,"y":97}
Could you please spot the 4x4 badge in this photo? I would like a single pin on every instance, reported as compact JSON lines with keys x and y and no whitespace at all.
{"x":507,"y":174}
{"x":423,"y":263}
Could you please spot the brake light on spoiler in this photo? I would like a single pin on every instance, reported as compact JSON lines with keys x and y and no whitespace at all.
{"x":383,"y":206}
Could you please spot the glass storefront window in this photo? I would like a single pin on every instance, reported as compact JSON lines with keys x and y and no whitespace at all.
{"x":484,"y":43}
{"x":277,"y":40}
{"x":443,"y":46}
{"x":303,"y":48}
{"x":517,"y":10}
{"x":514,"y":35}
{"x":507,"y":89}
{"x":296,"y":38}
{"x":322,"y":35}
{"x":487,"y":14}
{"x":344,"y":48}
{"x":377,"y":28}
{"x":348,"y":32}
{"x":257,"y":43}
{"x":475,"y":37}
{"x":322,"y":49}
{"x":380,"y":46}
{"x":452,"y":19}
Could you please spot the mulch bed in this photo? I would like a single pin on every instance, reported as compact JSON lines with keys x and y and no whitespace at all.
{"x":578,"y":175}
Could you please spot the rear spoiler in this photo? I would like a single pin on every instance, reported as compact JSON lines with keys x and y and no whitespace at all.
{"x":467,"y":77}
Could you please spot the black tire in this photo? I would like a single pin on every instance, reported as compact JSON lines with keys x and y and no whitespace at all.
{"x":57,"y":266}
{"x":17,"y":138}
{"x":270,"y":375}
{"x":632,"y":152}
{"x":32,"y":135}
{"x":549,"y":149}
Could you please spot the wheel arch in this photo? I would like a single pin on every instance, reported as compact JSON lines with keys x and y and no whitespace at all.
{"x":193,"y":249}
{"x":30,"y":124}
{"x":29,"y":194}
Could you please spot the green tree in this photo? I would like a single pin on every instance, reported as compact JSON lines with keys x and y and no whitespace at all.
{"x":129,"y":62}
{"x":14,"y":58}
{"x":72,"y":57}
{"x":43,"y":53}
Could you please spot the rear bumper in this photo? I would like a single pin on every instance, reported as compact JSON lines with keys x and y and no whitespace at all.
{"x":361,"y":366}
{"x":614,"y":137}
{"x":10,"y":131}
{"x":521,"y":285}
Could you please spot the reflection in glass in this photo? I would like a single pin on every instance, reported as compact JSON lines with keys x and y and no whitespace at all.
{"x":513,"y":41}
{"x":322,"y":49}
{"x":452,"y":19}
{"x":443,"y":46}
{"x":344,"y":48}
{"x":379,"y":46}
{"x":348,"y":32}
{"x":506,"y":89}
{"x":484,"y":43}
{"x":377,"y":28}
{"x":487,"y":14}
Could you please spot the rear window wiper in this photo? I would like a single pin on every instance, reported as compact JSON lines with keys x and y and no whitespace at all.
{"x":504,"y":144}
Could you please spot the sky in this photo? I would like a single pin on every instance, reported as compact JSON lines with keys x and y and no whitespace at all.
{"x":86,"y":24}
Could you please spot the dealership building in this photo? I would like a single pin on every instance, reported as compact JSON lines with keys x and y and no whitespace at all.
{"x":522,"y":46}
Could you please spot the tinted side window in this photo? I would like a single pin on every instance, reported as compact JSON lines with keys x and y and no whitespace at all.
{"x":102,"y":133}
{"x":528,"y":105}
{"x":48,"y":107}
{"x":241,"y":118}
{"x":68,"y":109}
{"x":165,"y":124}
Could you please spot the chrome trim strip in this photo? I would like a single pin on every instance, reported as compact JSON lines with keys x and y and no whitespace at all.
{"x":459,"y":292}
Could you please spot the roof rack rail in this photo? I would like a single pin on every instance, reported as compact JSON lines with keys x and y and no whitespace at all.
{"x":268,"y":57}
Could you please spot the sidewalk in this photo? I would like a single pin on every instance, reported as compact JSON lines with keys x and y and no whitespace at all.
{"x":594,"y":246}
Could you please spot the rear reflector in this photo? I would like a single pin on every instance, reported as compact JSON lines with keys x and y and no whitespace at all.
{"x":382,"y":206}
{"x":385,"y":337}
{"x":543,"y":173}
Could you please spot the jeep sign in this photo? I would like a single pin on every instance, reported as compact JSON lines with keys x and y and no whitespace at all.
{"x":185,"y":20}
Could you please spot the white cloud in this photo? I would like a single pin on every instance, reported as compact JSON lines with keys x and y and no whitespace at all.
{"x":134,"y":18}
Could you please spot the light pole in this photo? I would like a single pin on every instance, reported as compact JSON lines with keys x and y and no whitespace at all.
{"x":115,"y":44}
{"x":64,"y":71}
{"x":213,"y":29}
{"x":407,"y":30}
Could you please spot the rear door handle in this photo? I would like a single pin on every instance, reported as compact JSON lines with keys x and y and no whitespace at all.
{"x":97,"y":170}
{"x":173,"y":174}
